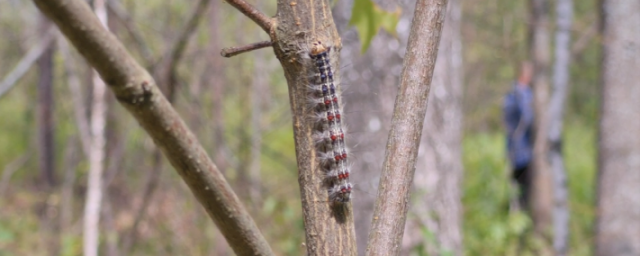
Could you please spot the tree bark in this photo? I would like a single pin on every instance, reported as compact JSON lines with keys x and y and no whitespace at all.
{"x":541,"y":191}
{"x":618,"y":222}
{"x":437,"y":205}
{"x":372,"y":80}
{"x":45,"y":110}
{"x":136,"y":90}
{"x":329,"y":230}
{"x":97,"y":124}
{"x":561,"y":74}
{"x":406,"y":129}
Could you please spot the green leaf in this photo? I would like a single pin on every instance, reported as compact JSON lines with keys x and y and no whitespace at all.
{"x":368,"y":18}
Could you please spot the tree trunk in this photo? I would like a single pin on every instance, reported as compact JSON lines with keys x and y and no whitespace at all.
{"x":97,"y":126}
{"x":46,"y":131}
{"x":618,"y":223}
{"x":437,"y":203}
{"x":561,"y":74}
{"x":370,"y":104}
{"x":329,"y":226}
{"x":541,"y":190}
{"x":398,"y":168}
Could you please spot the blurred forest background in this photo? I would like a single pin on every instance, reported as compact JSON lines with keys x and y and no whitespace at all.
{"x":239,"y":110}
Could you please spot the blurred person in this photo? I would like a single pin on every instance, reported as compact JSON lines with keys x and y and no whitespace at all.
{"x":518,"y":118}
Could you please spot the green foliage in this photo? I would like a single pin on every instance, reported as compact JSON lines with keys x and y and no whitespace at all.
{"x":368,"y":18}
{"x":489,"y":227}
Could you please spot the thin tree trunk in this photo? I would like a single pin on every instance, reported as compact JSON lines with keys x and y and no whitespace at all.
{"x":410,"y":108}
{"x":438,"y":180}
{"x":561,"y":73}
{"x":97,"y":125}
{"x":46,"y":130}
{"x":542,"y":186}
{"x":372,"y":85}
{"x":79,"y":108}
{"x":618,"y":223}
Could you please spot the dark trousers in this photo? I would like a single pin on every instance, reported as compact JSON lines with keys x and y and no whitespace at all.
{"x":523,"y":177}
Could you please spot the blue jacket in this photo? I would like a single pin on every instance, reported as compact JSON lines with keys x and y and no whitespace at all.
{"x":518,"y":117}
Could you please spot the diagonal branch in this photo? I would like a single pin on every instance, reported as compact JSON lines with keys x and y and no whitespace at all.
{"x":26,"y":62}
{"x":254,"y":14}
{"x":390,"y":211}
{"x":136,"y":90}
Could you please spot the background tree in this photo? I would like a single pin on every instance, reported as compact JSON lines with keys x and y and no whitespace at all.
{"x":46,"y":126}
{"x":541,"y":204}
{"x":618,"y":224}
{"x":564,"y":17}
{"x":436,"y":205}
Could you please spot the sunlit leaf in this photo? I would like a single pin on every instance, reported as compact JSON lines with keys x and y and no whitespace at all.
{"x":368,"y":18}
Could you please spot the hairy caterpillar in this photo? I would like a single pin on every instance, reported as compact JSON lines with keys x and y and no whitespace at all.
{"x":329,"y":132}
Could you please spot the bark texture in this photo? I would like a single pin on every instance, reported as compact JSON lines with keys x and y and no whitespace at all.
{"x":618,"y":224}
{"x":561,"y":73}
{"x":404,"y":138}
{"x":299,"y":24}
{"x":136,"y":90}
{"x":438,"y":179}
{"x":371,"y":80}
{"x":542,"y":188}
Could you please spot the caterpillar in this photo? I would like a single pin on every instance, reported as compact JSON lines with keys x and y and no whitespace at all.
{"x":329,"y":132}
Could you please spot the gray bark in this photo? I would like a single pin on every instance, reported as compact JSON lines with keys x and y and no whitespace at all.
{"x":561,"y":73}
{"x":390,"y":209}
{"x":541,"y":203}
{"x":618,"y":223}
{"x":436,"y":205}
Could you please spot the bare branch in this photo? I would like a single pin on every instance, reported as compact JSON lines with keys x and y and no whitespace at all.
{"x":121,"y":14}
{"x":254,"y":14}
{"x":165,"y":73}
{"x":391,"y":206}
{"x":26,"y":62}
{"x":136,"y":90}
{"x":233,"y":51}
